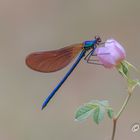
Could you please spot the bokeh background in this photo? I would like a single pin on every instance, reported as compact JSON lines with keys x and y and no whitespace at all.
{"x":33,"y":25}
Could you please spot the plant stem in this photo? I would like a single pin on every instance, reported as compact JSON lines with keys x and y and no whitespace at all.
{"x":118,"y":114}
{"x":114,"y":129}
{"x":123,"y":106}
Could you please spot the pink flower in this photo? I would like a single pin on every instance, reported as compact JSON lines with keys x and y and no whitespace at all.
{"x":111,"y":54}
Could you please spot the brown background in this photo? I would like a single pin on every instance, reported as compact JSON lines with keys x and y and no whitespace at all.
{"x":33,"y":25}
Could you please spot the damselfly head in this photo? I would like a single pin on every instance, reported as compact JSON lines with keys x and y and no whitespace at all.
{"x":98,"y":39}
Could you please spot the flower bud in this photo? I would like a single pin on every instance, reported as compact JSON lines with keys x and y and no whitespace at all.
{"x":111,"y":54}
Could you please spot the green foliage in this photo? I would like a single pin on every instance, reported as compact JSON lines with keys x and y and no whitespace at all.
{"x":110,"y":113}
{"x":85,"y":111}
{"x":98,"y":114}
{"x":132,"y":84}
{"x":124,"y":68}
{"x":129,"y":65}
{"x":96,"y":109}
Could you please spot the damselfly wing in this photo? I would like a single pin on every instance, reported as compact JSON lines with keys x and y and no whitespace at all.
{"x":51,"y":61}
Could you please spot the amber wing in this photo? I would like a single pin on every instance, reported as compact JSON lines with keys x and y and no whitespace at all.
{"x":51,"y":61}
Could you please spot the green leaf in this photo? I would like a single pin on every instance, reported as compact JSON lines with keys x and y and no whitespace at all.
{"x":138,"y":82}
{"x":123,"y":69}
{"x":130,"y":65}
{"x":95,"y":108}
{"x":110,"y":113}
{"x":132,"y":84}
{"x":85,"y":111}
{"x":98,"y":114}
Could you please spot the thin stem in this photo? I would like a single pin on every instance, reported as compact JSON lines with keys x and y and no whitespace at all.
{"x":123,"y":106}
{"x":114,"y":129}
{"x":118,"y":114}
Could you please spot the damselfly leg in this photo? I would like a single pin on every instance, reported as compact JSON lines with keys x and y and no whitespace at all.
{"x":90,"y":55}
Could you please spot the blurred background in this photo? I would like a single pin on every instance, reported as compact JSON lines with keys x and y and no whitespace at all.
{"x":32,"y":25}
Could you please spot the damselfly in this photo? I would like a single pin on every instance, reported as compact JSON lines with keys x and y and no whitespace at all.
{"x":51,"y":61}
